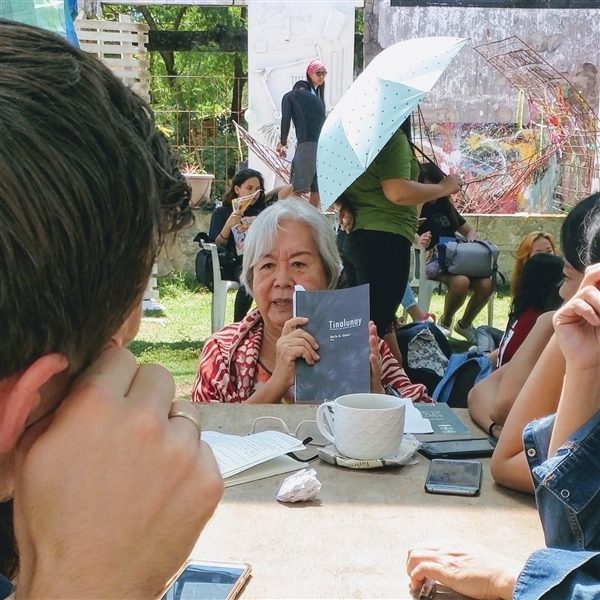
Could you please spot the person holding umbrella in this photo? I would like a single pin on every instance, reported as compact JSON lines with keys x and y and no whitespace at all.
{"x":364,"y":154}
{"x":379,"y":211}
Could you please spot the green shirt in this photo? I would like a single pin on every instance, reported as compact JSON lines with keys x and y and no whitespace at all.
{"x":372,"y":210}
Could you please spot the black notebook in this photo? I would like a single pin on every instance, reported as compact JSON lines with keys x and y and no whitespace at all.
{"x":339,"y":321}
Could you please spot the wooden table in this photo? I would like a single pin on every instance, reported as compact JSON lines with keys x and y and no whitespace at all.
{"x":352,"y":541}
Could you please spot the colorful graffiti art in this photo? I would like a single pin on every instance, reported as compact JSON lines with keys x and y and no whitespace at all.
{"x":499,"y":163}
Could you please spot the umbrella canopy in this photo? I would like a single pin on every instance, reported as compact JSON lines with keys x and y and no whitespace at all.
{"x":375,"y":106}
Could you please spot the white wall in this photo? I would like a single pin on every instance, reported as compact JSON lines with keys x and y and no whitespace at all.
{"x":283,"y":37}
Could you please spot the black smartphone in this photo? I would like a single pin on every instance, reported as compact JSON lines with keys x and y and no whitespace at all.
{"x":198,"y":580}
{"x":474,"y":448}
{"x":455,"y":477}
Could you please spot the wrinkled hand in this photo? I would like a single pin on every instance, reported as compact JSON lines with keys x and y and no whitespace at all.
{"x":294,"y":343}
{"x":424,"y":240}
{"x":577,"y":324}
{"x":468,"y":569}
{"x":346,"y":218}
{"x":111,"y":495}
{"x":452,"y":184}
{"x":374,"y":359}
{"x":281,"y":150}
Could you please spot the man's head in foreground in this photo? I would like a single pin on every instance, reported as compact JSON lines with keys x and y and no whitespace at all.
{"x":105,"y":472}
{"x":87,"y":191}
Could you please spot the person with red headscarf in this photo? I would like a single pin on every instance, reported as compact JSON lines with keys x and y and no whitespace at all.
{"x":305,"y":106}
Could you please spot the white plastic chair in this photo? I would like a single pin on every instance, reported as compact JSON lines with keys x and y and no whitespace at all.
{"x":426,"y":286}
{"x":220,"y":289}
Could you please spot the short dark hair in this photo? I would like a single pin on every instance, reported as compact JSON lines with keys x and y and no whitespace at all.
{"x":538,"y":285}
{"x":573,"y":242}
{"x":88,"y":189}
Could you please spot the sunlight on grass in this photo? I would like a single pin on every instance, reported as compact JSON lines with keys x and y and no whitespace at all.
{"x":175,"y":339}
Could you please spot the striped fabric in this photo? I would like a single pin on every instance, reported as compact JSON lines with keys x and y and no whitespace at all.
{"x":228,"y":363}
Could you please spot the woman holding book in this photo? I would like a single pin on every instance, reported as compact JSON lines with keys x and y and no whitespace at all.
{"x":244,"y":200}
{"x":290,"y":243}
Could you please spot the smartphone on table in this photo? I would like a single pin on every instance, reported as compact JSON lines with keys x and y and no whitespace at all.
{"x":473,"y":448}
{"x":199,"y":580}
{"x":455,"y":477}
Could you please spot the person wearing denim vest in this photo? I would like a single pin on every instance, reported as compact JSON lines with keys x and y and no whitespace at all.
{"x":561,"y":452}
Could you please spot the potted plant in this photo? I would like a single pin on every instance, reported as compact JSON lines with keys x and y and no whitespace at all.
{"x":200,"y":182}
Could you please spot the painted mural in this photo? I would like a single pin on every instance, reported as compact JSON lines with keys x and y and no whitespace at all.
{"x":502,"y":165}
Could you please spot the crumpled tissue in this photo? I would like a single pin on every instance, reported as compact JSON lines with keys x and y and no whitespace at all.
{"x":299,"y":487}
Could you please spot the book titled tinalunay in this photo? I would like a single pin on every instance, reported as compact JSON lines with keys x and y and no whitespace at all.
{"x":339,"y":322}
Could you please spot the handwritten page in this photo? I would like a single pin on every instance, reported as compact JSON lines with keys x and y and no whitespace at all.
{"x":235,"y":453}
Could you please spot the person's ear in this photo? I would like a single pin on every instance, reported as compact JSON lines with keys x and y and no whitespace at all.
{"x":20,"y":395}
{"x":129,"y":329}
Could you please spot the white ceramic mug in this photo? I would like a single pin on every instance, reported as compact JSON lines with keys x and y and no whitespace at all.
{"x":363,"y":426}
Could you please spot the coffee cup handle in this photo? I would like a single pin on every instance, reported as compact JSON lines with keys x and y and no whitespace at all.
{"x":324,"y":411}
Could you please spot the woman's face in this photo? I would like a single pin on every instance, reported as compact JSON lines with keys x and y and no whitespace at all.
{"x":250,"y":186}
{"x":318,"y":78}
{"x":571,"y":283}
{"x":295,"y":260}
{"x":541,"y":246}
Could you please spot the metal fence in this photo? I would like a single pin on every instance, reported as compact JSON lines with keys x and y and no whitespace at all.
{"x":196,"y":113}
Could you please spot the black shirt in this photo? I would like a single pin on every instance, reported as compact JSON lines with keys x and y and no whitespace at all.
{"x":306,"y":110}
{"x":219,"y":218}
{"x":440,"y":221}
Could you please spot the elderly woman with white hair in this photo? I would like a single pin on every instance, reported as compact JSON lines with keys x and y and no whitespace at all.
{"x":290,"y":243}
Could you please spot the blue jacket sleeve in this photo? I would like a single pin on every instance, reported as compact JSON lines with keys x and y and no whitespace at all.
{"x":554,"y":574}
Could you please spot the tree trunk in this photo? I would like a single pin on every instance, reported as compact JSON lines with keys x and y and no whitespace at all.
{"x":239,"y":81}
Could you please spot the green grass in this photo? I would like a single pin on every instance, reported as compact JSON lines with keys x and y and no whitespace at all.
{"x":175,"y":338}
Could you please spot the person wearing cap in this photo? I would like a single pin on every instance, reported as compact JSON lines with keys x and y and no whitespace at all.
{"x":305,"y":106}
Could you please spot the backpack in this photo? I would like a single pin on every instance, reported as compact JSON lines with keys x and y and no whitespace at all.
{"x":459,"y":257}
{"x":425,"y":353}
{"x":463,"y":372}
{"x":204,"y":267}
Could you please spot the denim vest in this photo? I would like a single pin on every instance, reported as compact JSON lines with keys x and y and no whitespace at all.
{"x":567,"y":491}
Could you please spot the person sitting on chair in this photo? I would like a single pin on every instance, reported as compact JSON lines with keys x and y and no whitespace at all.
{"x":560,"y":458}
{"x":249,"y":186}
{"x":441,"y":219}
{"x":253,"y":361}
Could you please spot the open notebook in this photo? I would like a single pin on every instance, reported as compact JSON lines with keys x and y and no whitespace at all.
{"x":246,"y":458}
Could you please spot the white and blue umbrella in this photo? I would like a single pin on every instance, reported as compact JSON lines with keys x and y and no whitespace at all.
{"x":375,"y":106}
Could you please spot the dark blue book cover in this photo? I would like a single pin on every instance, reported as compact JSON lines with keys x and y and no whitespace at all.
{"x":339,"y":321}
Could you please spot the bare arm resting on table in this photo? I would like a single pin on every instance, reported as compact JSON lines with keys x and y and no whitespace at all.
{"x":493,"y":397}
{"x":538,"y":398}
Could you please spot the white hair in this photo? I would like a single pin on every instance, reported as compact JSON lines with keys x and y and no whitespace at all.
{"x":262,"y":237}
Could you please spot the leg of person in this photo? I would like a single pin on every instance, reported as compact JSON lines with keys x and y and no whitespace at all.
{"x":382,"y":260}
{"x":409,"y":303}
{"x":243,"y":302}
{"x":349,"y":270}
{"x":304,"y":167}
{"x":314,"y":197}
{"x":482,"y":290}
{"x":458,"y":288}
